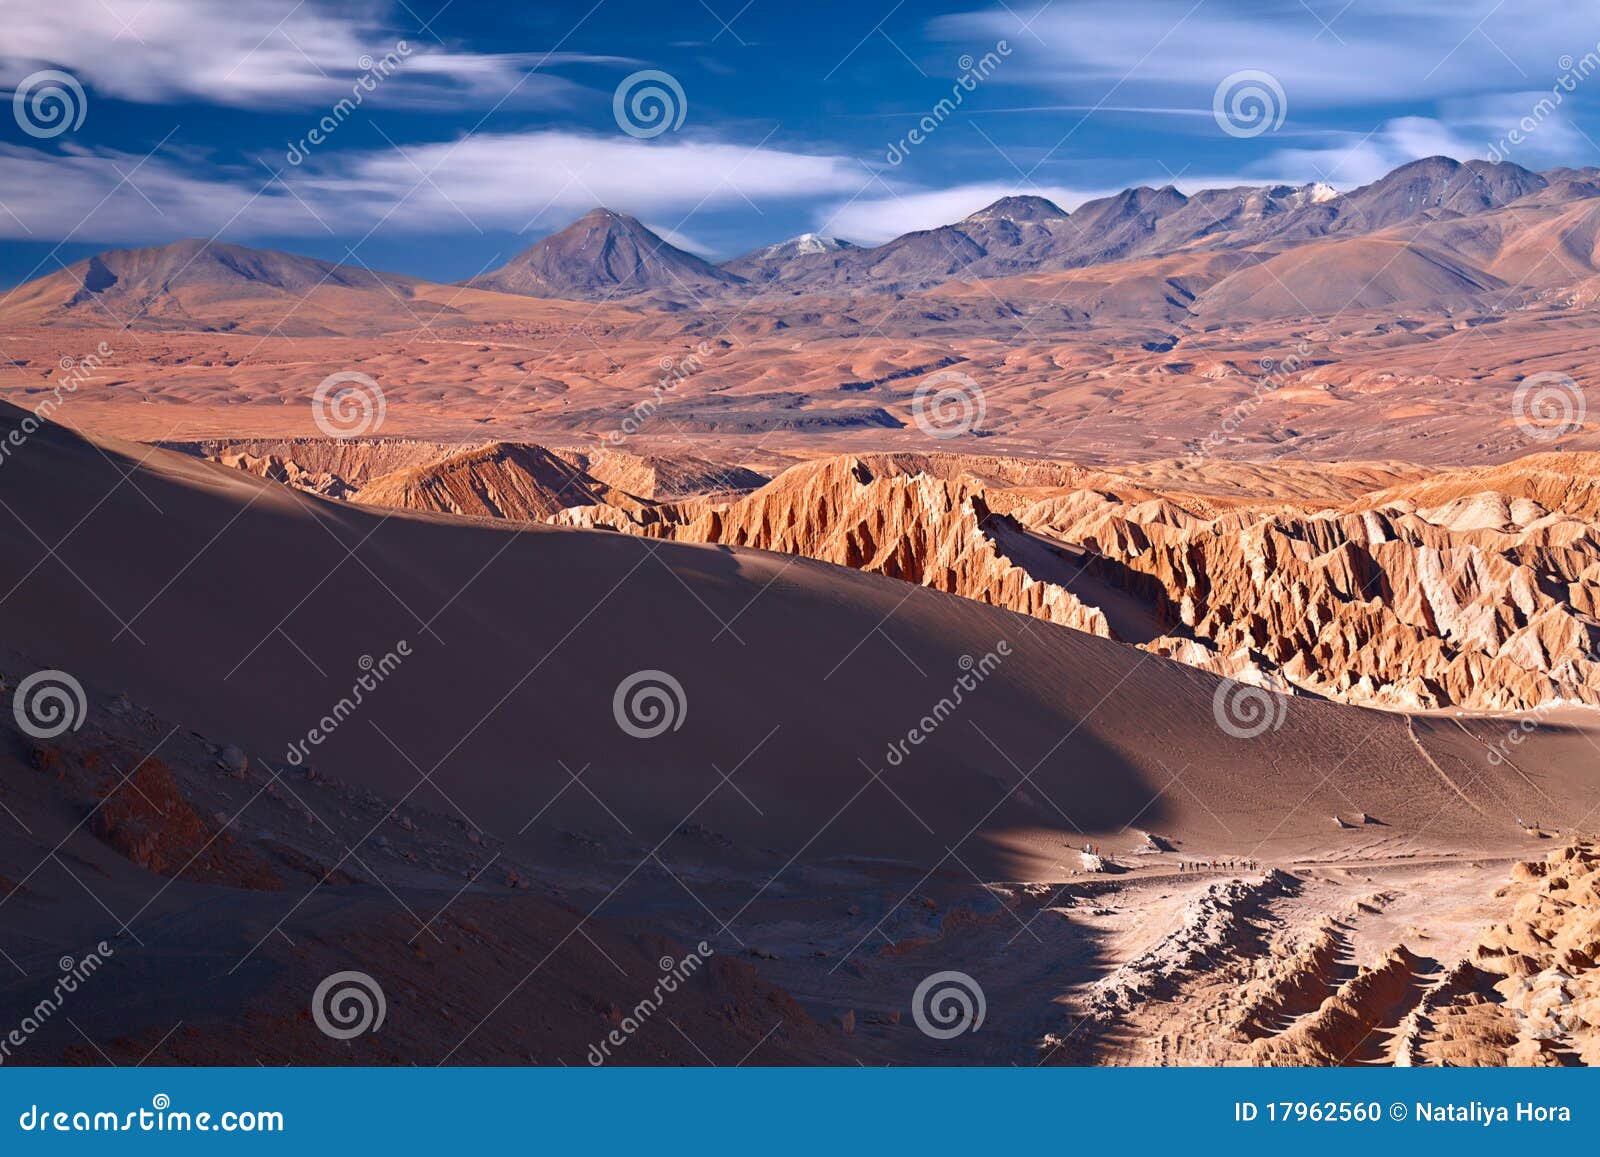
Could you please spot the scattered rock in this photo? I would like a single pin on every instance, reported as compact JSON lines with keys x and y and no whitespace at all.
{"x":147,"y":819}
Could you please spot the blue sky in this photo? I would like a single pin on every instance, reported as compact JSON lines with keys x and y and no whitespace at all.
{"x":496,"y":122}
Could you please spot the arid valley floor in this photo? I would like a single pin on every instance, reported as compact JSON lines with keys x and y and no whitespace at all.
{"x":1164,"y":633}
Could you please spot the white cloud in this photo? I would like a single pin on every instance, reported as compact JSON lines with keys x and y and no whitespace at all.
{"x":1352,"y":159}
{"x":872,"y":221}
{"x":1404,"y":49}
{"x":539,"y":179}
{"x":1546,"y":134}
{"x":680,"y":240}
{"x":534,"y":180}
{"x":257,"y":53}
{"x":84,"y":195}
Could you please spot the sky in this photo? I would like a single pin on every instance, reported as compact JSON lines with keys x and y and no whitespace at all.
{"x":467,"y":130}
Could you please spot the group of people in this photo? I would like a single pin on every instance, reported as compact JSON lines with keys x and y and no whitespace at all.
{"x":1248,"y":865}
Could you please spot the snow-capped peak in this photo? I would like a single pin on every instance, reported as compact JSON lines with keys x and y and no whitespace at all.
{"x":805,"y":244}
{"x":1315,"y":193}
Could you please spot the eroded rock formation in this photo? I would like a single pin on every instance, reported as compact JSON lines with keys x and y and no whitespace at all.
{"x":1486,"y":600}
{"x":1470,"y":588}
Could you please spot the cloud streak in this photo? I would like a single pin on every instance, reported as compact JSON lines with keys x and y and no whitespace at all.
{"x":532,"y":181}
{"x":259,"y":54}
{"x":1174,"y":52}
{"x":874,"y":220}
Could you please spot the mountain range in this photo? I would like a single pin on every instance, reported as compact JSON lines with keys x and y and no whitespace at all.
{"x":1466,"y":228}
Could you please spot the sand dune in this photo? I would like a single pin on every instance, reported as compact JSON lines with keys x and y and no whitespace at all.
{"x":238,"y":616}
{"x":547,"y":622}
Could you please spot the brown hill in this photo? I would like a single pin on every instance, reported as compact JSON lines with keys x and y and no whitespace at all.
{"x":500,"y":480}
{"x":1448,"y":210}
{"x":919,"y":529}
{"x":214,"y":286}
{"x":781,"y":262}
{"x":1566,"y":483}
{"x":1350,"y":274}
{"x":407,"y":469}
{"x":660,"y":477}
{"x":1467,"y":589}
{"x":605,"y":254}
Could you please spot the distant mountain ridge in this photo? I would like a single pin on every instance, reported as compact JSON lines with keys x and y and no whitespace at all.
{"x":609,"y":256}
{"x":182,"y":284}
{"x":1027,"y":233}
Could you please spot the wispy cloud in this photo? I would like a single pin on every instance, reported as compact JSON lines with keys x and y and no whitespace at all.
{"x":1172,"y":53}
{"x":260,"y":54}
{"x":1349,"y":159}
{"x":873,"y":220}
{"x":532,"y":181}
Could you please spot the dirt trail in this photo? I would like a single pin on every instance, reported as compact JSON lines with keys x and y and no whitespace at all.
{"x":1360,"y":963}
{"x":1450,"y":783}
